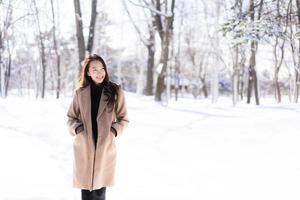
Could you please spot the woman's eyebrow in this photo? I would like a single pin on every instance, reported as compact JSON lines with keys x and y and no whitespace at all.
{"x":96,"y":68}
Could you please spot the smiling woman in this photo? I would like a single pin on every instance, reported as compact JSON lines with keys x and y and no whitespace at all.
{"x":97,"y":114}
{"x":96,"y":71}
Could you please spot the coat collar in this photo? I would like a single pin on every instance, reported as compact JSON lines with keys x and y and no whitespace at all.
{"x":86,"y":95}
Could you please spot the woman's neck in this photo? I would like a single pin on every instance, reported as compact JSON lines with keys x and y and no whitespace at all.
{"x":96,"y":84}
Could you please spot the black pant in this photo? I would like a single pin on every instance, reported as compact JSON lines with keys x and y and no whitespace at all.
{"x":94,"y":194}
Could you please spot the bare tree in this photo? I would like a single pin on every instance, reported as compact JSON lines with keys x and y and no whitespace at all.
{"x":149,"y":43}
{"x":239,"y":60}
{"x":252,"y":80}
{"x":177,"y":60}
{"x":5,"y":65}
{"x":92,"y":26}
{"x":165,"y":30}
{"x":79,"y":33}
{"x":242,"y":68}
{"x":57,"y":54}
{"x":198,"y":58}
{"x":215,"y":41}
{"x":297,"y":65}
{"x":164,"y":18}
{"x":279,"y":47}
{"x":236,"y":57}
{"x":41,"y":48}
{"x":1,"y":60}
{"x":82,"y":48}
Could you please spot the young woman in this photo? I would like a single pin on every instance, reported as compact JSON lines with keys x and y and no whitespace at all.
{"x":96,"y":116}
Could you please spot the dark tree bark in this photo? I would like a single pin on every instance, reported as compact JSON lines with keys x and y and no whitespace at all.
{"x":150,"y":66}
{"x":92,"y":27}
{"x":252,"y":80}
{"x":79,"y":33}
{"x":165,"y":36}
{"x":151,"y":52}
{"x":42,"y":50}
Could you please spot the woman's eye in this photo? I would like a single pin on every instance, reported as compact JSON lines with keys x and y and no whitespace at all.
{"x":98,"y":70}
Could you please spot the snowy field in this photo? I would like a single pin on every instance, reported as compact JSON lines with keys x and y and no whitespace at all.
{"x":190,"y":150}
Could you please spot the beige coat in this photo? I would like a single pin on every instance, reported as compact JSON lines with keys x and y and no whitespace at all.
{"x":93,"y":169}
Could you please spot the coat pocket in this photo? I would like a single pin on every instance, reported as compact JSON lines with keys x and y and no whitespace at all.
{"x":113,"y":131}
{"x":79,"y":129}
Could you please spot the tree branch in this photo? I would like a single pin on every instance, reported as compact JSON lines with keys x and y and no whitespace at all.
{"x":151,"y":9}
{"x":142,"y":37}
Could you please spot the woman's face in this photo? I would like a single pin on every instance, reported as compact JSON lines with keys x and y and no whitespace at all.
{"x":96,"y":71}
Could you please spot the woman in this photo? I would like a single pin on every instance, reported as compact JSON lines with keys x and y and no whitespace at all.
{"x":96,"y":116}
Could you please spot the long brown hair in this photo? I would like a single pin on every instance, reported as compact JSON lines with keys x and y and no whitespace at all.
{"x":110,"y":88}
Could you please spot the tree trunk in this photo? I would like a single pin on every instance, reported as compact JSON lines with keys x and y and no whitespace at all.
{"x":7,"y":75}
{"x":235,"y":77}
{"x":296,"y":86}
{"x":79,"y":33}
{"x":160,"y":85}
{"x":252,"y":80}
{"x":92,"y":27}
{"x":297,"y":67}
{"x":237,"y":61}
{"x":278,"y":63}
{"x":242,"y":75}
{"x":150,"y":64}
{"x":204,"y":87}
{"x":277,"y":69}
{"x":42,"y":50}
{"x":56,"y":52}
{"x":215,"y":65}
{"x":292,"y":83}
{"x":43,"y":66}
{"x":151,"y":54}
{"x":150,"y":45}
{"x":1,"y":50}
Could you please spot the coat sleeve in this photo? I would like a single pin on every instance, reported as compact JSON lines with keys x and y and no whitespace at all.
{"x":74,"y":120}
{"x":121,"y":113}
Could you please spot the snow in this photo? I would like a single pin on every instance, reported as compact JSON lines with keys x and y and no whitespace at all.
{"x":190,"y":149}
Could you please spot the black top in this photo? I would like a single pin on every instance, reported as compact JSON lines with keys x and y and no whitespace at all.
{"x":96,"y":91}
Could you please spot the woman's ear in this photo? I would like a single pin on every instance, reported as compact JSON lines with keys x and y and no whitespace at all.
{"x":88,"y":73}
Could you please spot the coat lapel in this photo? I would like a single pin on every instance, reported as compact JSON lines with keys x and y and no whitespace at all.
{"x":102,"y":103}
{"x":86,"y":94}
{"x":86,"y":105}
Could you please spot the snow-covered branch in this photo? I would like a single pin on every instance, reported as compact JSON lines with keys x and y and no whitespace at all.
{"x":169,"y":14}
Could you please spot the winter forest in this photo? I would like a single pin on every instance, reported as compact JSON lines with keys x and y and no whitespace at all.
{"x":212,"y":89}
{"x":205,"y":49}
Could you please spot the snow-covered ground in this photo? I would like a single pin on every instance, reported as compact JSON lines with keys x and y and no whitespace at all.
{"x":191,"y":150}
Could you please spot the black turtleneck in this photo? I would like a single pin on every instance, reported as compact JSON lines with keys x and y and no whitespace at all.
{"x":96,"y":91}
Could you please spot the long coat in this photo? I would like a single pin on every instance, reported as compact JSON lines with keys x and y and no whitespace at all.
{"x":94,"y":168}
